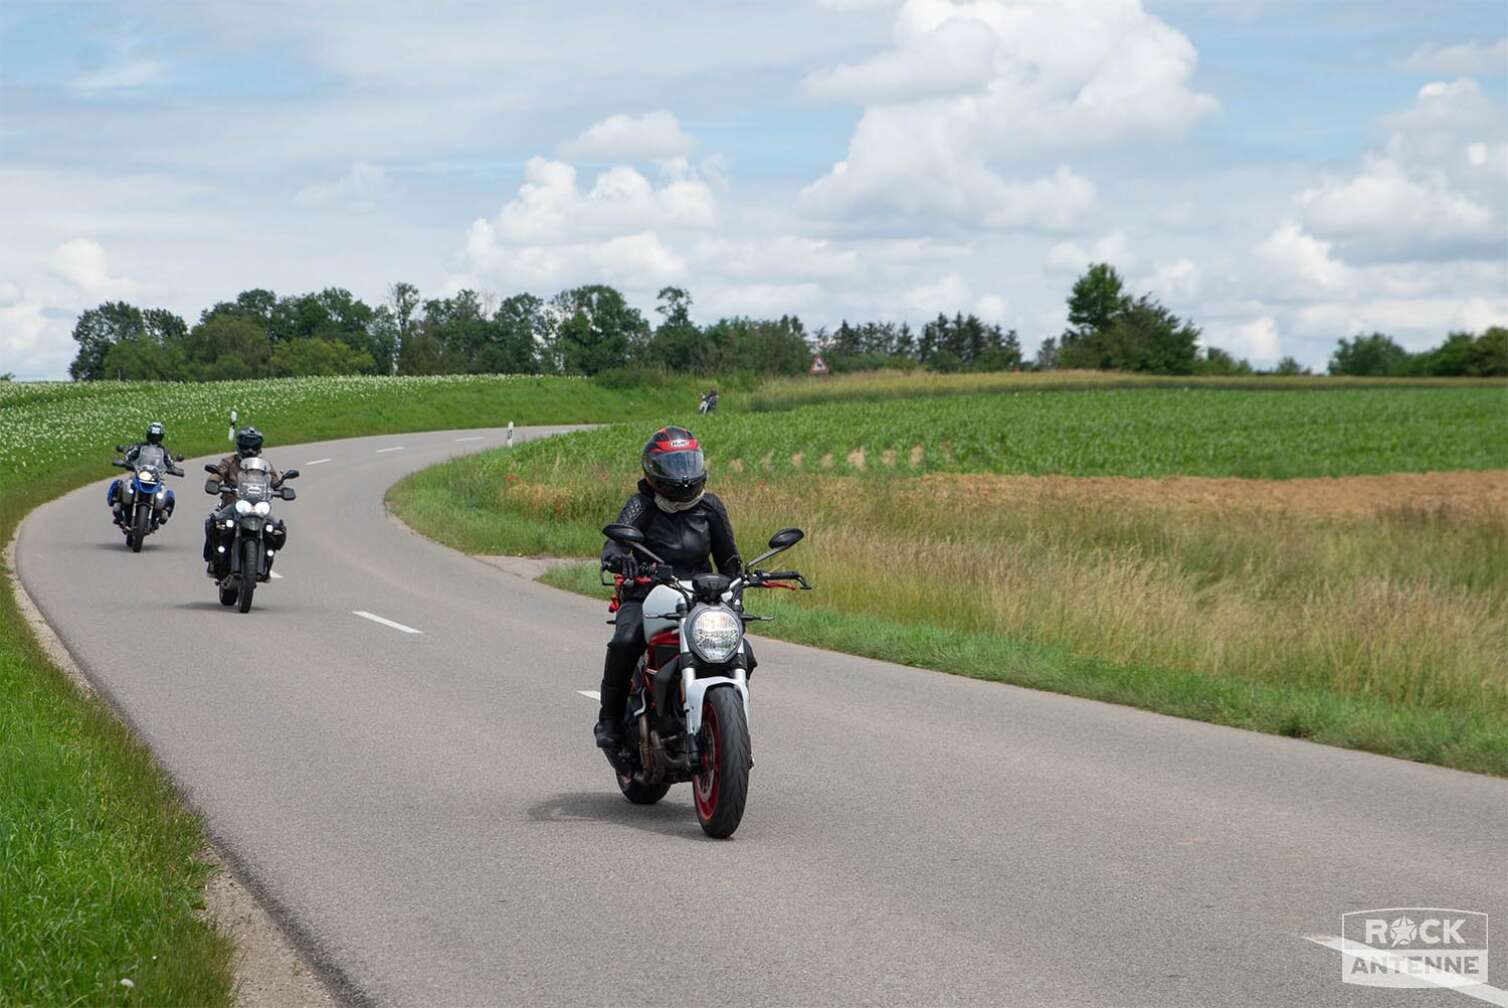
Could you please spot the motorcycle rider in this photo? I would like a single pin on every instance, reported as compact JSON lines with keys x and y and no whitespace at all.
{"x":682,"y":524}
{"x":228,"y":471}
{"x":155,"y":434}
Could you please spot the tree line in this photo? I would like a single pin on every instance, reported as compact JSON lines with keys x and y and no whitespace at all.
{"x":592,"y":329}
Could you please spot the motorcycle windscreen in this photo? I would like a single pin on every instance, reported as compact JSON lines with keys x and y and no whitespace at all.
{"x":152,"y":455}
{"x":254,"y":485}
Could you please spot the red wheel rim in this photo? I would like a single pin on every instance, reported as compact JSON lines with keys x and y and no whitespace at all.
{"x":705,"y":785}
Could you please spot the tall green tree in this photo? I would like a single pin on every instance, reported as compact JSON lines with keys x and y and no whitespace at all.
{"x":597,"y":329}
{"x":519,"y":327}
{"x":677,"y":344}
{"x":97,"y":331}
{"x":1372,"y":354}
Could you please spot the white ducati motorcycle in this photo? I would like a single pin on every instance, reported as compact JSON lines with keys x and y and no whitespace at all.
{"x":688,"y":709}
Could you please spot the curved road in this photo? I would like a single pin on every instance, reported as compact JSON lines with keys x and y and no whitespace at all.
{"x":426,"y":812}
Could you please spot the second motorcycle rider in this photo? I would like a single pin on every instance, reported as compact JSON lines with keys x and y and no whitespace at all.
{"x":683,"y":524}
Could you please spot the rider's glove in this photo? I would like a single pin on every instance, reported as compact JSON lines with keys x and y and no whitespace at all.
{"x":624,"y":564}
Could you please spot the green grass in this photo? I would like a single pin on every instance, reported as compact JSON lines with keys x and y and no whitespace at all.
{"x":1297,"y":711}
{"x":1386,"y":630}
{"x":99,"y":877}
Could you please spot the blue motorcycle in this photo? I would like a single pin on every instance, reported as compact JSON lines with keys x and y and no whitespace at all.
{"x":142,"y":503}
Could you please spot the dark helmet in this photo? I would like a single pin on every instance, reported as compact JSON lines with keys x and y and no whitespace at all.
{"x":154,"y":432}
{"x":248,"y":442}
{"x":673,"y":464}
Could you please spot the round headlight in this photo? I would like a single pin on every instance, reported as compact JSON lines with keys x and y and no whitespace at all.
{"x":147,"y":476}
{"x":715,"y":635}
{"x":243,"y":507}
{"x":262,"y":508}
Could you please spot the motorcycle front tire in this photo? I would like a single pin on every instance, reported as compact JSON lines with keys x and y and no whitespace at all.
{"x":246,"y":582}
{"x":721,"y":792}
{"x":138,"y":533}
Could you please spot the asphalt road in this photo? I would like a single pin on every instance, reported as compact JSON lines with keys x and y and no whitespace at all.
{"x":427,"y":812}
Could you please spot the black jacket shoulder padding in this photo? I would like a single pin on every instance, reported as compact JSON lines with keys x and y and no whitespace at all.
{"x":684,"y":539}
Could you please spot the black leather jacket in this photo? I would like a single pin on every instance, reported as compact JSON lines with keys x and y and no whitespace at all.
{"x":683,"y":539}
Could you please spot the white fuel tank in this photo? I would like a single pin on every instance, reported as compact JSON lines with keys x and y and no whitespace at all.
{"x":662,"y":600}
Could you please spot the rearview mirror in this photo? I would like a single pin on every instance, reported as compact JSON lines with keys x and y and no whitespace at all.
{"x":211,"y":468}
{"x":288,"y":493}
{"x":211,"y":486}
{"x":623,"y":533}
{"x":177,"y":458}
{"x":786,"y":538}
{"x":120,"y":447}
{"x":290,"y":474}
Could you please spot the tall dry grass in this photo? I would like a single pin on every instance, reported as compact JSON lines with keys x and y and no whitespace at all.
{"x":1402,"y":604}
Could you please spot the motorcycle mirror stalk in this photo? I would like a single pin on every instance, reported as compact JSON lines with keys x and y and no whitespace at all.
{"x":628,"y":535}
{"x":779,"y":543}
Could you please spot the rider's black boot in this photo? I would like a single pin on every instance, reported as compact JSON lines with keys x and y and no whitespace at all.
{"x":609,"y":729}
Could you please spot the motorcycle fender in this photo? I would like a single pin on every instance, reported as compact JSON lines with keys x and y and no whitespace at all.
{"x":696,"y":691}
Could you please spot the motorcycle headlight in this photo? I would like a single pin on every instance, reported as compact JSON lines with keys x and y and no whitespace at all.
{"x":715,"y":635}
{"x":262,"y":508}
{"x":147,"y":476}
{"x":243,"y":507}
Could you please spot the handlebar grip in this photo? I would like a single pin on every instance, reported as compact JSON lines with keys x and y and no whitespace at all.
{"x":780,"y":575}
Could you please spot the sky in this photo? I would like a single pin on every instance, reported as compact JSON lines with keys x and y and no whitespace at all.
{"x":1282,"y":173}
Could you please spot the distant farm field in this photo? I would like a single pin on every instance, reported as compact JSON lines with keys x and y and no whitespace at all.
{"x":1150,"y":432}
{"x":1323,"y":564}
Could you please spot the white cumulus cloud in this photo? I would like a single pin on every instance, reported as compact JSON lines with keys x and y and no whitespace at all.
{"x":654,"y":136}
{"x":82,"y":262}
{"x":1470,"y":59}
{"x":1436,"y":190}
{"x":969,"y":87}
{"x":1071,"y":257}
{"x":363,"y":188}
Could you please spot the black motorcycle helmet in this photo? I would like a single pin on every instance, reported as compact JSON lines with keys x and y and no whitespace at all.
{"x":249,"y":442}
{"x":673,"y":464}
{"x":154,"y":433}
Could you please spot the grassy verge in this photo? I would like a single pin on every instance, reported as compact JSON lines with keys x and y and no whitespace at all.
{"x":99,"y":876}
{"x":1382,"y":627}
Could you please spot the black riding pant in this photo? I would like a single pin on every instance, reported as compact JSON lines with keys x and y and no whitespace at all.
{"x":623,"y":653}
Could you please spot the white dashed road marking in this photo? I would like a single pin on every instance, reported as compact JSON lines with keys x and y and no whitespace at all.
{"x":476,"y":437}
{"x":318,"y":462}
{"x":590,"y":694}
{"x":385,"y":622}
{"x":384,"y":451}
{"x":275,"y":574}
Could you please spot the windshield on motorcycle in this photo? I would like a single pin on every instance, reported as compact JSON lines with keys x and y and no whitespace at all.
{"x":151,"y":455}
{"x":255,"y":481}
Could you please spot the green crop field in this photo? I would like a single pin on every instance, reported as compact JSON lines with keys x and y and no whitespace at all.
{"x":99,"y":877}
{"x":1153,"y":432}
{"x":1355,"y":612}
